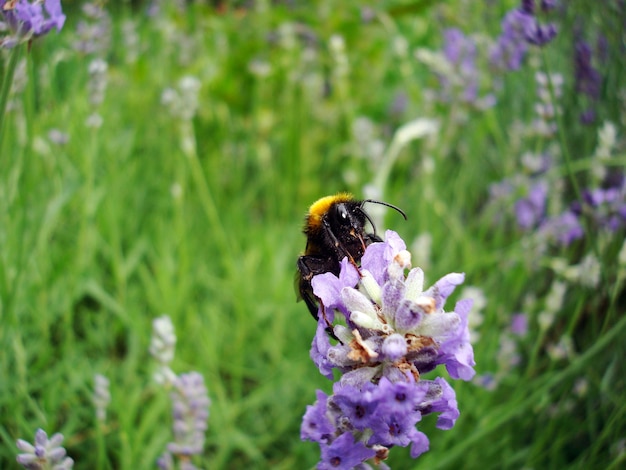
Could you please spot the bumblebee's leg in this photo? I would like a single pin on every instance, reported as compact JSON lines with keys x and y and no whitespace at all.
{"x":309,"y":266}
{"x":329,"y":326}
{"x":311,"y":302}
{"x":340,"y":250}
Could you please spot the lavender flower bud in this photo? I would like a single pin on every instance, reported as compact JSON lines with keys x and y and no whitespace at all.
{"x":101,"y":396}
{"x":408,"y":315}
{"x":394,"y":347}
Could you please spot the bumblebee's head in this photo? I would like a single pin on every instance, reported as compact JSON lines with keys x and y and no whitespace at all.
{"x":320,"y":209}
{"x":339,"y":221}
{"x":345,"y":221}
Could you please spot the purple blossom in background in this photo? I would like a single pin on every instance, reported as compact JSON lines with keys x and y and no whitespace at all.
{"x":587,"y":78}
{"x":540,"y":35}
{"x":528,"y":6}
{"x":519,"y":324}
{"x":461,"y":79}
{"x":511,"y":46}
{"x":520,"y":29}
{"x":600,"y":208}
{"x":487,"y":381}
{"x":460,"y":51}
{"x":399,"y":104}
{"x":394,"y":332}
{"x":93,"y":30}
{"x":606,"y":207}
{"x":26,"y":21}
{"x":563,"y":229}
{"x":603,"y":208}
{"x":531,"y":209}
{"x":45,"y":453}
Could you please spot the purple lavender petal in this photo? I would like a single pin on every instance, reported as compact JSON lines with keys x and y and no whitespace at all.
{"x":457,"y":353}
{"x":344,"y":454}
{"x":419,"y":444}
{"x":319,"y":350}
{"x":444,"y":287}
{"x":315,"y":424}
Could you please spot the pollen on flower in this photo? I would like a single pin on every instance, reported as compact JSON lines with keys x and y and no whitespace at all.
{"x":403,"y":258}
{"x":408,"y":369}
{"x":360,"y":351}
{"x":417,"y":343}
{"x":427,"y":304}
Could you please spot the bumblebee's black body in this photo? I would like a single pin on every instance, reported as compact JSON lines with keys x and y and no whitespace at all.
{"x":335,"y":228}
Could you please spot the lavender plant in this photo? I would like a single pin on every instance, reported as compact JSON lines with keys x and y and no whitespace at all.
{"x":21,"y":22}
{"x":602,"y":209}
{"x":190,"y":401}
{"x":44,"y":454}
{"x":392,"y":331}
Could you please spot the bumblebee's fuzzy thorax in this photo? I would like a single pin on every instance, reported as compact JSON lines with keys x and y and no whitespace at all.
{"x":319,"y":209}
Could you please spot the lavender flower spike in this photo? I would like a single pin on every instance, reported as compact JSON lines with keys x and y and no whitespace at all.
{"x":162,"y":347}
{"x":101,"y":397}
{"x":392,"y":331}
{"x":520,"y":29}
{"x":45,"y":454}
{"x":190,"y":410}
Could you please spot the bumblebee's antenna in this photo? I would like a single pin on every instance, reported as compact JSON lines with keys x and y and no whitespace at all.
{"x":384,"y":204}
{"x":368,"y":218}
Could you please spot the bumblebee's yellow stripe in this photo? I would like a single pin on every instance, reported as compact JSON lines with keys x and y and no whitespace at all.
{"x":322,"y":205}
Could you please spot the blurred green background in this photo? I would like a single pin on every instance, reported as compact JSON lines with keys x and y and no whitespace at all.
{"x":174,"y":180}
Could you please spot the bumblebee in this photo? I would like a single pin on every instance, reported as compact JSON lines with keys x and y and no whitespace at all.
{"x":335,"y":228}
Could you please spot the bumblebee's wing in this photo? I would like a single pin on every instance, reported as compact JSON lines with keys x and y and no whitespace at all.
{"x":308,"y":266}
{"x":305,"y":294}
{"x":296,"y":286}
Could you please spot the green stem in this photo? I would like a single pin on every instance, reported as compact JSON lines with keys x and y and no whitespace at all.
{"x":188,"y":145}
{"x":561,"y":131}
{"x":14,"y":57}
